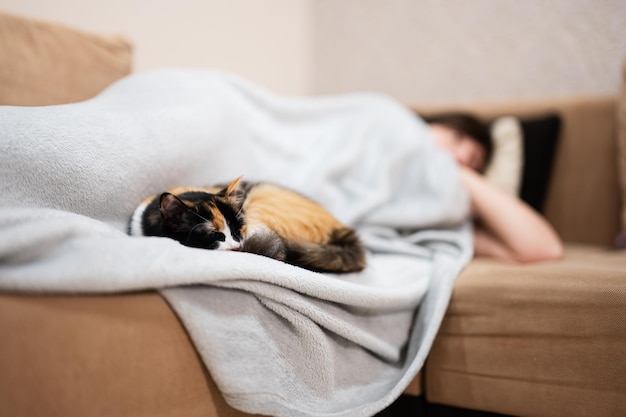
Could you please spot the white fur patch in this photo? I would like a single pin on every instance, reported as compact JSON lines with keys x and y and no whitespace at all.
{"x":230,"y":243}
{"x":135,"y":222}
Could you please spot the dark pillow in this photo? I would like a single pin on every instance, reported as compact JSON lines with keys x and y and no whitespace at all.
{"x":541,"y":135}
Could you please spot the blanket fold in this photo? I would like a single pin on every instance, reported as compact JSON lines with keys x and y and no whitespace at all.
{"x":277,"y":339}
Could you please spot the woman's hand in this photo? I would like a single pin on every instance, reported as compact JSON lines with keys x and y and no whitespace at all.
{"x":507,"y":228}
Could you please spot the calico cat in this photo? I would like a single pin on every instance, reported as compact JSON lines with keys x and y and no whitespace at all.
{"x":260,"y":218}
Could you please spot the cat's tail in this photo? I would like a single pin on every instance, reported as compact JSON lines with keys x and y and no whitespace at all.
{"x":342,"y":253}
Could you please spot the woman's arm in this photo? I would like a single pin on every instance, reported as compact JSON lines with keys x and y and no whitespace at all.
{"x":506,"y":227}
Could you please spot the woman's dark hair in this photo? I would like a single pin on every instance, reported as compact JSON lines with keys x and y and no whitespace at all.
{"x":468,"y":125}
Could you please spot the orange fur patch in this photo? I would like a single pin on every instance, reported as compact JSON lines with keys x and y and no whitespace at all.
{"x":218,"y":218}
{"x":180,"y":190}
{"x":289,"y":214}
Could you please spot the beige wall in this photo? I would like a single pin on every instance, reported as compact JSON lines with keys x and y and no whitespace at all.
{"x":266,"y":41}
{"x":464,"y":50}
{"x":416,"y":50}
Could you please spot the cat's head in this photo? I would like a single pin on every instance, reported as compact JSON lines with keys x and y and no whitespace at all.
{"x":204,"y":220}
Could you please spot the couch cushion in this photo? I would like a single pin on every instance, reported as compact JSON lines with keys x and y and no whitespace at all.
{"x":43,"y":63}
{"x":122,"y":355}
{"x":543,"y":340}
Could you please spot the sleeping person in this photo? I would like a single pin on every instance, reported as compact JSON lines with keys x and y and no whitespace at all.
{"x":506,"y":227}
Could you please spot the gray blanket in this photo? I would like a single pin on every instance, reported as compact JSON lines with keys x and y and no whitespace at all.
{"x":277,"y":339}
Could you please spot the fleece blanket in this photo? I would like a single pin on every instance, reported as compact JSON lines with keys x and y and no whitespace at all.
{"x":277,"y":339}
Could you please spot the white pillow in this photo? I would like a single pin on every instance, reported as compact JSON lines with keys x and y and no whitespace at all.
{"x":507,"y":161}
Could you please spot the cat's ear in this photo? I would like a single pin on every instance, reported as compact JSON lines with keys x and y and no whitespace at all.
{"x":172,"y":208}
{"x":235,"y":192}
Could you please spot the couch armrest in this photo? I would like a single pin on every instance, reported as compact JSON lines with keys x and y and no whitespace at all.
{"x":118,"y":355}
{"x":44,"y":63}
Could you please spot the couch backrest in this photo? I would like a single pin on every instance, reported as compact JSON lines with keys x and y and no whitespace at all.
{"x":583,"y":201}
{"x":43,"y":63}
{"x":621,"y":148}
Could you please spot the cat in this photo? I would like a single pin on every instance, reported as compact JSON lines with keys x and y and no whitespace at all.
{"x":261,"y":218}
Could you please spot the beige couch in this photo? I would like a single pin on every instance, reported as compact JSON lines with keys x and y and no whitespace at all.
{"x":545,"y":339}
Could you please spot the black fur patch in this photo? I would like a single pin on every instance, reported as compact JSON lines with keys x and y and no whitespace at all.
{"x":188,"y":220}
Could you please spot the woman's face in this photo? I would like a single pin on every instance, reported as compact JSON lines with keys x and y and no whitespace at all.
{"x":467,"y":151}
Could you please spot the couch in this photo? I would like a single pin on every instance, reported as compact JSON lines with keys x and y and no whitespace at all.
{"x":544,"y":339}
